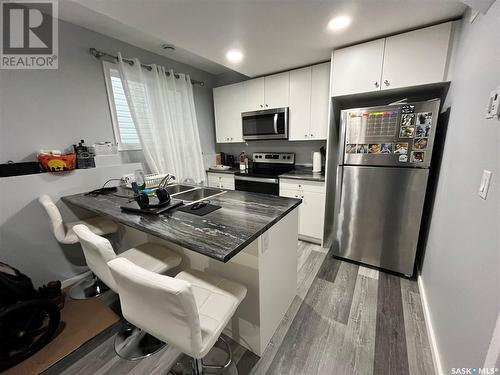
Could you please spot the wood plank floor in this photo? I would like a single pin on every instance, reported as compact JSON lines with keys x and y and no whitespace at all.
{"x":345,"y":319}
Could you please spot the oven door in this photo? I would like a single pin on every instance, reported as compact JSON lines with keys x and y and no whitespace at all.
{"x":257,"y":184}
{"x":267,"y":124}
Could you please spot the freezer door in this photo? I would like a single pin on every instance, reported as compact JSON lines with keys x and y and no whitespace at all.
{"x":396,"y":135}
{"x":379,"y":214}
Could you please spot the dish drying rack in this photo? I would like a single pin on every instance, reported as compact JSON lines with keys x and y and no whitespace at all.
{"x":151,"y":180}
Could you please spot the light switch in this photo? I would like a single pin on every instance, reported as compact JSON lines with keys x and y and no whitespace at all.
{"x":485,"y":184}
{"x":493,"y":109}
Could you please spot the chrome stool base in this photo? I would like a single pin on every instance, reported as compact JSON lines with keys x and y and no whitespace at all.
{"x":209,"y":364}
{"x":133,"y":343}
{"x":88,"y":287}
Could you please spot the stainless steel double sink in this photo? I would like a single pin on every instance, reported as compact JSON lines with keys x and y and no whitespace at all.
{"x":189,"y":193}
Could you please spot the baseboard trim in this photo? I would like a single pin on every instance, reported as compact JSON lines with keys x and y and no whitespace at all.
{"x":438,"y":369}
{"x":73,"y":280}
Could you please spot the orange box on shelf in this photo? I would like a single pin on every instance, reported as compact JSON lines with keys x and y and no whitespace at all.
{"x":52,"y":163}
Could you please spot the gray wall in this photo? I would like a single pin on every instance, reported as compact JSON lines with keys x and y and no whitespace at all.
{"x":228,"y":78}
{"x":42,"y":109}
{"x":45,"y":109}
{"x":461,"y":270}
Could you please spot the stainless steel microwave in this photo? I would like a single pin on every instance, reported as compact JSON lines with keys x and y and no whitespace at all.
{"x":265,"y":124}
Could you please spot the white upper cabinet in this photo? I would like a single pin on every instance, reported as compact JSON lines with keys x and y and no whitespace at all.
{"x":253,"y":95}
{"x":304,"y":91}
{"x":266,"y":92}
{"x":358,"y":68}
{"x":320,"y":100}
{"x":299,"y":111}
{"x":417,"y":57}
{"x":227,"y":106}
{"x":414,"y":58}
{"x":276,"y":90}
{"x":309,"y":102}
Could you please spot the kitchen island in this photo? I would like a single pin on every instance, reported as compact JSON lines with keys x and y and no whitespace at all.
{"x":251,"y":239}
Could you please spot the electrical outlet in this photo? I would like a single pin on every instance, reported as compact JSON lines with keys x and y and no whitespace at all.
{"x":485,"y":184}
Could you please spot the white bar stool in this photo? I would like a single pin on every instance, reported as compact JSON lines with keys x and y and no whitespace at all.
{"x":188,"y":311}
{"x":90,"y":286}
{"x":130,"y":343}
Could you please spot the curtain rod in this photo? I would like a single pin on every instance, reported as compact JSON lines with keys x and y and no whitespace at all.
{"x":100,"y":54}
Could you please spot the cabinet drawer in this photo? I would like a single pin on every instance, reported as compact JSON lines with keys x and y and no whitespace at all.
{"x":221,"y":180}
{"x":288,"y":193}
{"x":305,"y":185}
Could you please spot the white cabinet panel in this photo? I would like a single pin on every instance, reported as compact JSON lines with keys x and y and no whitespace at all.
{"x":300,"y":104}
{"x":358,"y":68}
{"x":312,"y":209}
{"x":416,"y":58}
{"x":320,"y":100}
{"x":227,"y":107}
{"x":221,"y":180}
{"x":276,"y":88}
{"x":253,"y":95}
{"x":312,"y":215}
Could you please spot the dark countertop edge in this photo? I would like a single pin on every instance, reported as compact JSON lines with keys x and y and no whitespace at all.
{"x":229,"y":171}
{"x":252,"y":238}
{"x":224,"y":259}
{"x":318,"y":178}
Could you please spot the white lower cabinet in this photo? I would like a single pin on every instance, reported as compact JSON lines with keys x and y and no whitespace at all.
{"x":221,"y":180}
{"x":312,"y":209}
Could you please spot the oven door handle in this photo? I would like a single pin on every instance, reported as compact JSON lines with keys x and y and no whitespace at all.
{"x":257,"y":179}
{"x":275,"y":123}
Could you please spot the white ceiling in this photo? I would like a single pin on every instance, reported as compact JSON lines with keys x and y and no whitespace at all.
{"x":274,"y":35}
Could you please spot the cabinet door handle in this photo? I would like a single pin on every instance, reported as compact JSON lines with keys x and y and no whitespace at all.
{"x":312,"y":135}
{"x":386,"y":82}
{"x":261,"y":106}
{"x":305,"y":135}
{"x":267,"y":105}
{"x":376,"y":84}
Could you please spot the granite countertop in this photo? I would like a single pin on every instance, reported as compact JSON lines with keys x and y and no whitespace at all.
{"x":229,"y":171}
{"x":219,"y":235}
{"x":304,"y":173}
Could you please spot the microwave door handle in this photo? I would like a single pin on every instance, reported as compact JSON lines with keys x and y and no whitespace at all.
{"x":275,"y":123}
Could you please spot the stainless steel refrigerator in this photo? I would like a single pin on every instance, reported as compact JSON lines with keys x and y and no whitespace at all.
{"x":384,"y":159}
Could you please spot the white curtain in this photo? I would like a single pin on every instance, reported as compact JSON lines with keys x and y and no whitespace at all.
{"x":163,"y":111}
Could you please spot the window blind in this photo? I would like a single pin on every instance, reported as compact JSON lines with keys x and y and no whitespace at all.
{"x":128,"y":134}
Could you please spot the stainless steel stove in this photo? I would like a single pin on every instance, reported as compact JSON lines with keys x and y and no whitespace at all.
{"x":263,"y":176}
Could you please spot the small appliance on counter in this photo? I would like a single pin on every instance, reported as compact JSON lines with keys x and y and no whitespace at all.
{"x":317,"y":162}
{"x":263,"y":176}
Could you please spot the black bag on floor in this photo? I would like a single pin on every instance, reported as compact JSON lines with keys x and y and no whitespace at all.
{"x":28,"y":318}
{"x":14,"y":286}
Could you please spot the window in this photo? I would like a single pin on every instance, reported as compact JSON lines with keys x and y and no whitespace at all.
{"x":123,"y":124}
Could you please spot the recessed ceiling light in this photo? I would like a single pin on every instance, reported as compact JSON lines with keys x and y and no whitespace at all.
{"x":234,"y":55}
{"x":339,"y":22}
